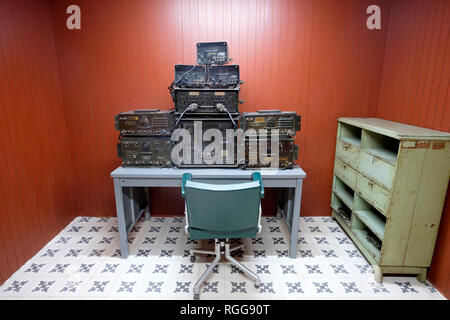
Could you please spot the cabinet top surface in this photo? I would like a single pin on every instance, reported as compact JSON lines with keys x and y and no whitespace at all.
{"x":396,"y":129}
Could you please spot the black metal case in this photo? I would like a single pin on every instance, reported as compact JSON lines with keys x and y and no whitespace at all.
{"x":220,"y":123}
{"x":189,"y":76}
{"x":145,"y":151}
{"x":212,"y":52}
{"x":288,"y":122}
{"x":224,"y":76}
{"x":287,"y":150}
{"x":145,"y":122}
{"x":206,"y":100}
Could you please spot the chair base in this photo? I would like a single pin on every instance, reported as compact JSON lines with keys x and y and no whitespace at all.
{"x":221,"y":247}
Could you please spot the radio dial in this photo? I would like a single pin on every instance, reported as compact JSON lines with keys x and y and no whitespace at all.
{"x":270,"y":122}
{"x":146,"y":146}
{"x":144,"y":122}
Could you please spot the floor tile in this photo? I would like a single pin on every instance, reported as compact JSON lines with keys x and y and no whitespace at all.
{"x":83,"y":262}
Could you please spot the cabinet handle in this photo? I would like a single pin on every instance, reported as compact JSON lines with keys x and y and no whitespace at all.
{"x":346,"y":146}
{"x":344,"y":165}
{"x":370,"y":183}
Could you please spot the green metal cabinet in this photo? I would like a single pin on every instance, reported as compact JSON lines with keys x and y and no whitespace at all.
{"x":389,"y":186}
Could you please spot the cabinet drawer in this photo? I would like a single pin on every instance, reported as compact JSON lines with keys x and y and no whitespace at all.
{"x":347,"y":152}
{"x":375,"y":194}
{"x":377,"y":169}
{"x":345,"y":173}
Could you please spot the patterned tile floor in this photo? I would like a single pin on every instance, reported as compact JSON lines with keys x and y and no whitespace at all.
{"x":83,"y":262}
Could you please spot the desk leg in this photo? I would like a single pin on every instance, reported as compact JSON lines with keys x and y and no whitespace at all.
{"x":279,"y":197}
{"x":289,"y":207}
{"x":295,"y":218}
{"x":123,"y":238}
{"x":147,"y":210}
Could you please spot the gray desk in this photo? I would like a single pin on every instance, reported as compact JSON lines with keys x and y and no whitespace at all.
{"x":132,"y":197}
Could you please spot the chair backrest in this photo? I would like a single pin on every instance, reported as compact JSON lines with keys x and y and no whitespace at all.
{"x":223,"y":211}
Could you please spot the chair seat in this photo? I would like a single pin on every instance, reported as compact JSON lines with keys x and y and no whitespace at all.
{"x":200,"y":234}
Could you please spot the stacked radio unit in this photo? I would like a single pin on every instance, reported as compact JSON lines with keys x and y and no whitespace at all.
{"x":205,"y":95}
{"x":286,"y":122}
{"x":145,"y":137}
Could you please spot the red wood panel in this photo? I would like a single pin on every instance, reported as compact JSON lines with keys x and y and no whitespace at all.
{"x":415,"y":90}
{"x":314,"y":57}
{"x":36,"y":162}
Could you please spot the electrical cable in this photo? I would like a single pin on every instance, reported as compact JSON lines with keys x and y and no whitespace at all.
{"x":174,"y":83}
{"x":181,"y":116}
{"x":191,"y":107}
{"x":222,"y":108}
{"x":193,"y":67}
{"x":232,"y":120}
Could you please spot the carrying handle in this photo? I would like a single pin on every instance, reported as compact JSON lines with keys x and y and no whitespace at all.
{"x":146,"y":110}
{"x":297,"y":126}
{"x":269,"y":111}
{"x":119,"y":150}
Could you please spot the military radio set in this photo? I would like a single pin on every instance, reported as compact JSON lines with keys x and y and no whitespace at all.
{"x":145,"y":137}
{"x":286,"y":122}
{"x":207,"y":92}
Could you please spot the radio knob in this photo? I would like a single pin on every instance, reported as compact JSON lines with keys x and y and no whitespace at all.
{"x":270,"y":122}
{"x":144,"y":122}
{"x":146,"y":146}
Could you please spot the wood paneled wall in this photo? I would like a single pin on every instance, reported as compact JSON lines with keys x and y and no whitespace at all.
{"x":314,"y":57}
{"x":36,"y":165}
{"x":415,"y":89}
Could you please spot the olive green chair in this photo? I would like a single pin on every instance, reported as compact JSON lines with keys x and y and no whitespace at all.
{"x":222,"y":212}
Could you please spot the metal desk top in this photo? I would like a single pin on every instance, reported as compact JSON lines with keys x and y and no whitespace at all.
{"x":202,"y":173}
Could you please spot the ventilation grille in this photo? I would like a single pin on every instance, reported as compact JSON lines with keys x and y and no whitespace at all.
{"x":284,"y":122}
{"x":160,"y":122}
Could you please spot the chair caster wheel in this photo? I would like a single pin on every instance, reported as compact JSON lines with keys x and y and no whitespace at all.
{"x":192,"y":259}
{"x":257,"y":285}
{"x":196,"y":296}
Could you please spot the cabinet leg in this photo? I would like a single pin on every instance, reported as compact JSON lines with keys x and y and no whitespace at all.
{"x":378,"y":275}
{"x":422,"y":276}
{"x":332,"y":216}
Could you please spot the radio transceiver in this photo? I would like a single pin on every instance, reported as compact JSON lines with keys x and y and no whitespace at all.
{"x":222,"y":124}
{"x":287,"y":153}
{"x":206,"y":100}
{"x":188,"y":76}
{"x":145,"y":151}
{"x":145,"y":122}
{"x":212,"y":53}
{"x":224,"y":76}
{"x":286,"y":121}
